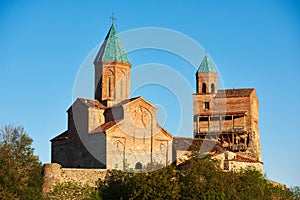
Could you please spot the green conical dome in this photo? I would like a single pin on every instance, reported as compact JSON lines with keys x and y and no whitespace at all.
{"x":207,"y":65}
{"x":112,"y":48}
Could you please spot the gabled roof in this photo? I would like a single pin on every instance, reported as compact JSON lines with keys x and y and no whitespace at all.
{"x":89,"y":103}
{"x":207,"y":65}
{"x":92,"y":103}
{"x":104,"y":127}
{"x":164,"y":131}
{"x":127,"y":101}
{"x":112,"y":48}
{"x":231,"y":93}
{"x":62,"y":136}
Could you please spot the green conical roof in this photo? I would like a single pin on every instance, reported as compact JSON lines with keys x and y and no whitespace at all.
{"x":207,"y":65}
{"x":112,"y":48}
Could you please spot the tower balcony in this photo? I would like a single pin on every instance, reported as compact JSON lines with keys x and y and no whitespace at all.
{"x":231,"y":138}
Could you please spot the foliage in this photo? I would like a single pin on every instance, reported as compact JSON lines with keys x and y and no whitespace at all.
{"x":160,"y":184}
{"x":20,"y":169}
{"x":72,"y":190}
{"x":5,"y":195}
{"x":196,"y":179}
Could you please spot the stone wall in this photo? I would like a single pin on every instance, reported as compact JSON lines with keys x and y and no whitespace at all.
{"x":54,"y":174}
{"x":237,"y":166}
{"x":229,"y":161}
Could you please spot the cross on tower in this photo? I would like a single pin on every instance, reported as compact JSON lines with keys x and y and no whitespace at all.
{"x":113,"y":19}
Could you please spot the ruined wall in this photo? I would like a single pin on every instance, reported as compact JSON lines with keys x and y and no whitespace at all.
{"x":228,"y":162}
{"x":237,"y":166}
{"x":54,"y":174}
{"x":255,"y":125}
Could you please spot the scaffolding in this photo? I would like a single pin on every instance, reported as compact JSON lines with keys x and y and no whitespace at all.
{"x":229,"y":128}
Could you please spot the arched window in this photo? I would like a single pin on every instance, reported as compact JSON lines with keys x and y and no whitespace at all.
{"x":138,"y":165}
{"x":203,"y":88}
{"x":212,"y":88}
{"x":119,"y":144}
{"x":162,"y":146}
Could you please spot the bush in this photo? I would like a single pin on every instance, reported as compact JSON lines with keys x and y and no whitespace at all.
{"x":196,"y":179}
{"x":72,"y":190}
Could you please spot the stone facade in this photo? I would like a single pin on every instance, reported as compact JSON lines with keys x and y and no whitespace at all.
{"x":54,"y":174}
{"x":114,"y":131}
{"x":229,"y":116}
{"x":232,"y":161}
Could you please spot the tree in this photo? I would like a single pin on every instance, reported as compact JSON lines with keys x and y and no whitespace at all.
{"x":20,"y":170}
{"x":195,"y":179}
{"x":160,"y":184}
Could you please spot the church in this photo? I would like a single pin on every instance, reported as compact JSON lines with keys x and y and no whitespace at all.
{"x":116,"y":131}
{"x":112,"y":131}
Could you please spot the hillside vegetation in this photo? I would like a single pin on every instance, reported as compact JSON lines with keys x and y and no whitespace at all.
{"x":21,"y":178}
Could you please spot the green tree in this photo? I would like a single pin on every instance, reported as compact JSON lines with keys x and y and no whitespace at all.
{"x":20,"y":169}
{"x":195,"y":179}
{"x":160,"y":184}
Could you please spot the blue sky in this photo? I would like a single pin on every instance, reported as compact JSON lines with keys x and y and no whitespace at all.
{"x":253,"y":43}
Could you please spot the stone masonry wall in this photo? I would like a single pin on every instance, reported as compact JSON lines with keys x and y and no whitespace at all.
{"x":54,"y":174}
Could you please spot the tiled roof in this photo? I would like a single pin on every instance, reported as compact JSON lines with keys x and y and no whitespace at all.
{"x":125,"y":101}
{"x":112,"y":48}
{"x":183,"y":143}
{"x":231,"y":93}
{"x":207,"y":65}
{"x":92,"y":103}
{"x":240,"y":158}
{"x":62,"y":136}
{"x":104,"y":127}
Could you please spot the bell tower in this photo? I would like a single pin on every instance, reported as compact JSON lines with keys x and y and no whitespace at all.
{"x":206,"y":89}
{"x":206,"y":77}
{"x":112,"y":71}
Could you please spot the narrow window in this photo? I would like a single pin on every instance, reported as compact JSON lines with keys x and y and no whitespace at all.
{"x":109,"y":86}
{"x":226,"y":165}
{"x":212,"y":88}
{"x":203,"y":88}
{"x":206,"y":105}
{"x":121,"y":87}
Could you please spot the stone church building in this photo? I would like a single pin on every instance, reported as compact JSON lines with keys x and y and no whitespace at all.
{"x":115,"y":131}
{"x":112,"y":130}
